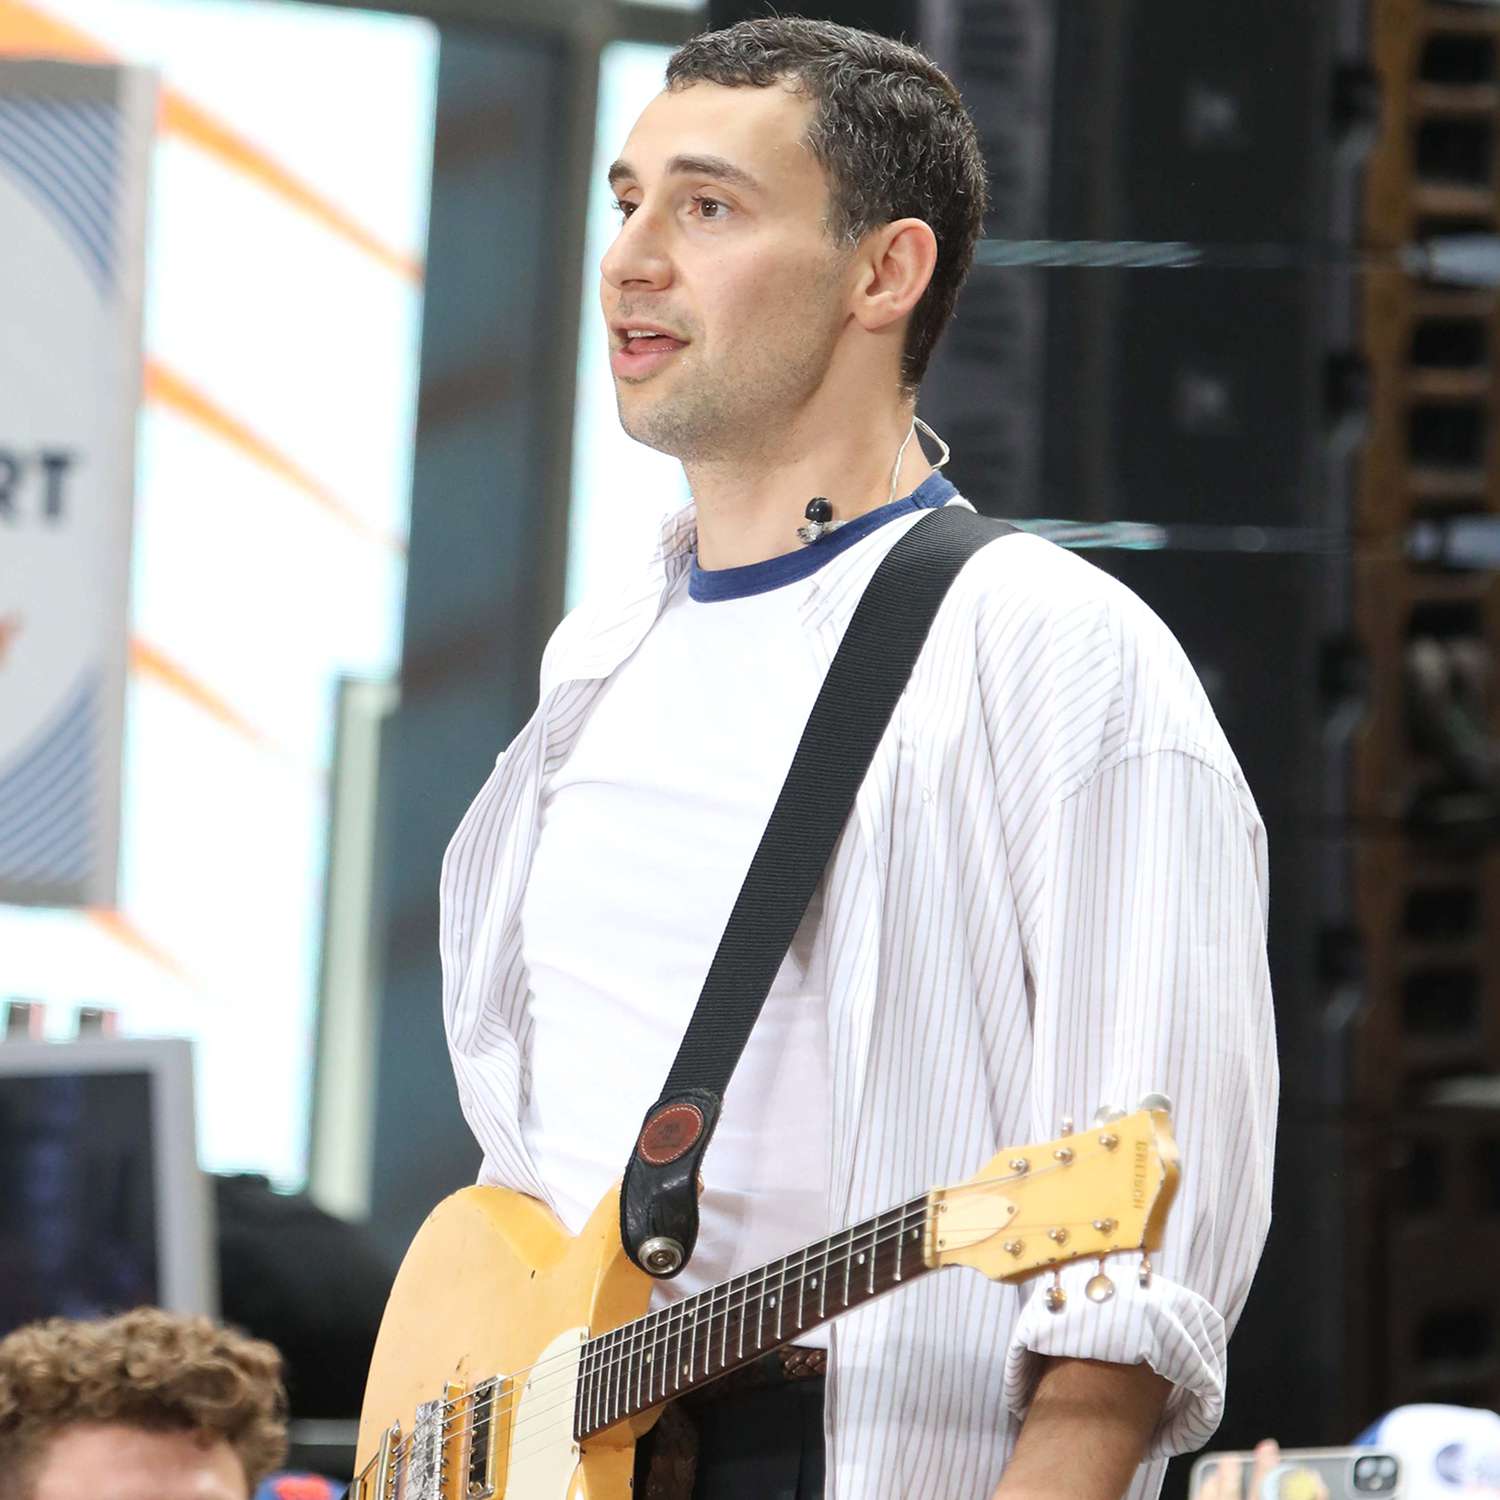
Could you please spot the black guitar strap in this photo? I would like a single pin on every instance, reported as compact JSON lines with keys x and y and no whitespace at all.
{"x":659,"y":1196}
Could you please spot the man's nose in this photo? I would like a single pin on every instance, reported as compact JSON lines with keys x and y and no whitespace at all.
{"x":637,"y":257}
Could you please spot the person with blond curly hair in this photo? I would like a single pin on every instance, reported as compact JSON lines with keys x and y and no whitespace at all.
{"x":148,"y":1405}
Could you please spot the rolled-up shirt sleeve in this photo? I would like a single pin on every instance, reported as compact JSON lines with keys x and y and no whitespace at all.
{"x":1149,"y":972}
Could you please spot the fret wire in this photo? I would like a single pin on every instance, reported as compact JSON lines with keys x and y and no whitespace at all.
{"x":900,"y":1241}
{"x":823,"y":1280}
{"x":606,"y":1356}
{"x":760,"y":1316}
{"x":601,"y":1375}
{"x":724,"y":1342}
{"x":633,"y":1404}
{"x":780,"y":1298}
{"x":626,"y":1369}
{"x":744,"y":1317}
{"x":801,"y":1288}
{"x":692,"y":1364}
{"x":848,"y":1261}
{"x":874,"y":1233}
{"x":616,"y":1377}
{"x":647,"y":1365}
{"x":708,"y":1345}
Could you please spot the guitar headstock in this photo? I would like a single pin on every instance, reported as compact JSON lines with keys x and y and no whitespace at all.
{"x":1085,"y":1195}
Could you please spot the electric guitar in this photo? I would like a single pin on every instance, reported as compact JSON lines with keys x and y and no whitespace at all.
{"x":517,"y":1362}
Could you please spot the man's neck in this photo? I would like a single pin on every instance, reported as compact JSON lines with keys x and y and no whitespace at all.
{"x":749,"y":509}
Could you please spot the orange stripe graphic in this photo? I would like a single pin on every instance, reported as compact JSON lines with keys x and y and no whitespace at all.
{"x":24,"y":29}
{"x":125,"y":932}
{"x":184,"y":118}
{"x":150,"y":662}
{"x":171,"y":390}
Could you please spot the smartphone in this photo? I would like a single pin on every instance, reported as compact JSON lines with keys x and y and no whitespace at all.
{"x":1298,"y":1474}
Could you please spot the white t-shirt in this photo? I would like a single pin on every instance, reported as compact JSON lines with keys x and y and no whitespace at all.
{"x":647,"y":830}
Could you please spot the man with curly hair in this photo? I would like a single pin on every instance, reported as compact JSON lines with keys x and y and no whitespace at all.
{"x":145,"y":1406}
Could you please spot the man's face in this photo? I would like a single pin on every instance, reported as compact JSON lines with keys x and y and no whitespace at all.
{"x":723,"y":247}
{"x":111,"y":1462}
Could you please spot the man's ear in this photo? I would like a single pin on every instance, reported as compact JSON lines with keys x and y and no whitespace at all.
{"x":896,"y":265}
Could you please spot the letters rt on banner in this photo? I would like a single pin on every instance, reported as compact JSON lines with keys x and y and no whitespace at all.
{"x":75,"y":144}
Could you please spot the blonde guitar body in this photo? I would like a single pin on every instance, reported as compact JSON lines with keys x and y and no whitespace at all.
{"x":517,"y":1362}
{"x":491,"y":1283}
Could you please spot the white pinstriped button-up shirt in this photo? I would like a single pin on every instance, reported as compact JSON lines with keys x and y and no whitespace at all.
{"x":1051,"y":895}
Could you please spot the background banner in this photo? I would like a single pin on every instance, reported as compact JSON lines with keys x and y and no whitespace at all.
{"x":74,"y":147}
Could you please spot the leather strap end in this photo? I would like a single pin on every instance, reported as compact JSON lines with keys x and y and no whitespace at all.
{"x":659,"y":1193}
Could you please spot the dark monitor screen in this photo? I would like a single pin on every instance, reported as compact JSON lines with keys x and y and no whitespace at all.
{"x":78,"y":1236}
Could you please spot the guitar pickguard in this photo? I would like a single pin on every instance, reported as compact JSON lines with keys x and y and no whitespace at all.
{"x":543,"y":1453}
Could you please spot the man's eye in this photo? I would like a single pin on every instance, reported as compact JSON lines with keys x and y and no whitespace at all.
{"x":705,"y":204}
{"x":623,"y":208}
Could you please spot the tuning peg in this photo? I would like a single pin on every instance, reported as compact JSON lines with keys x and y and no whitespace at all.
{"x":1156,"y":1101}
{"x":1057,"y":1299}
{"x":1067,"y":1125}
{"x":1107,"y":1114}
{"x":1100,"y":1288}
{"x":1144,"y":1274}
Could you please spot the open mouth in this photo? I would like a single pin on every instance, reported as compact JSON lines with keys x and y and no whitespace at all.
{"x":643,"y":350}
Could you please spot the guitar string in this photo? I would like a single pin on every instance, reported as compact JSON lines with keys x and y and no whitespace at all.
{"x":628,"y":1354}
{"x":912,"y":1206}
{"x":522,"y":1442}
{"x":726,"y":1290}
{"x":674,"y":1326}
{"x":717,"y":1309}
{"x":720,"y":1297}
{"x":627,"y":1348}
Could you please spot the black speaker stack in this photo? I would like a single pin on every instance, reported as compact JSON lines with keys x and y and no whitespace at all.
{"x":1311,"y":421}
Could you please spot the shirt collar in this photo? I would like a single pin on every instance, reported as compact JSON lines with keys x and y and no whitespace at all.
{"x":618,"y":626}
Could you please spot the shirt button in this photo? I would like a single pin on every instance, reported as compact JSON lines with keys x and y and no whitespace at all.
{"x":926,"y":794}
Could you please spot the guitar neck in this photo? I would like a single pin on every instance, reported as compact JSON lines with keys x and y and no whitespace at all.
{"x":685,"y":1345}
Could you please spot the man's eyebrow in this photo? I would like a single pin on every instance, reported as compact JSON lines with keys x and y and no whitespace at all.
{"x":692,"y":166}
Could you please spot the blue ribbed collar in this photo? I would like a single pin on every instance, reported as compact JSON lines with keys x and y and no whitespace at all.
{"x":710,"y":585}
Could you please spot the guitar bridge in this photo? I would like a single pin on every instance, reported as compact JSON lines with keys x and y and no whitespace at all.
{"x":425,"y":1470}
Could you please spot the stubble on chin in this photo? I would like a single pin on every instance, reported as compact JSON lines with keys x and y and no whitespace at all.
{"x":690,"y":424}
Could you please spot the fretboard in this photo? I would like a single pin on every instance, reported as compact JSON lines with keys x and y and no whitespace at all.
{"x":641,"y":1364}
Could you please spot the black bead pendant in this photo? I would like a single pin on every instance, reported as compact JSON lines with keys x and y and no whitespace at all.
{"x":819,"y":510}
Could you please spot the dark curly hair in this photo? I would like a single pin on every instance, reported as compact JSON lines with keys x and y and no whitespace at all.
{"x":889,"y":129}
{"x":146,"y":1368}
